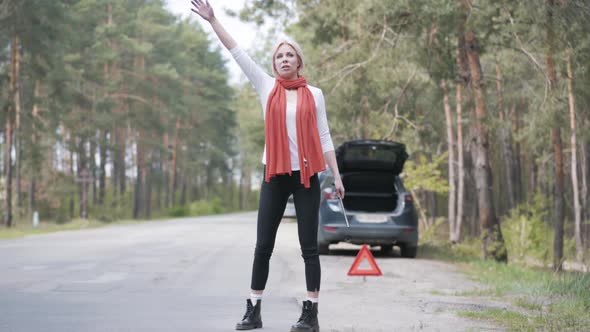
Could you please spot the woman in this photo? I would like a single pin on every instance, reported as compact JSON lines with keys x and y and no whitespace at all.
{"x":297,"y":146}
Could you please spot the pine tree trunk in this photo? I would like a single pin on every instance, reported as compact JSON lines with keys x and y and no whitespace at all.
{"x":452,"y":180}
{"x":165,"y":162}
{"x":8,"y":169}
{"x":574,"y":163}
{"x":31,"y":207}
{"x":514,"y":119}
{"x":115,"y":166}
{"x":505,"y":142}
{"x":557,"y":147}
{"x":104,"y":132}
{"x":432,"y":203}
{"x":136,"y":196}
{"x":245,"y":188}
{"x":585,"y":198}
{"x":559,"y":199}
{"x":15,"y":96}
{"x":122,"y":149}
{"x":492,"y":240}
{"x":17,"y":164}
{"x":174,"y":179}
{"x":17,"y":140}
{"x":93,"y":167}
{"x":460,"y":164}
{"x":161,"y":186}
{"x":34,"y":148}
{"x":118,"y":165}
{"x":71,"y":172}
{"x":102,"y":167}
{"x":230,"y":187}
{"x":209,"y":181}
{"x":183,"y":191}
{"x":139,"y":200}
{"x":464,"y":77}
{"x":148,"y":190}
{"x":80,"y":167}
{"x":83,"y":178}
{"x":532,"y":182}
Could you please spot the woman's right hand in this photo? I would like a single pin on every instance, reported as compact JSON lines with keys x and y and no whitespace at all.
{"x":203,"y":9}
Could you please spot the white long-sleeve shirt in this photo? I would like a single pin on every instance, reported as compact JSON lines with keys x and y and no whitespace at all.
{"x":263,"y":84}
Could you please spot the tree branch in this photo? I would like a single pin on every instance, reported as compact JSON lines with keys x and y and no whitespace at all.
{"x":530,"y":56}
{"x":395,"y":107}
{"x":349,"y":69}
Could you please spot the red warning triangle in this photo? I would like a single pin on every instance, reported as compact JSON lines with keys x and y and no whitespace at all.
{"x":364,"y":253}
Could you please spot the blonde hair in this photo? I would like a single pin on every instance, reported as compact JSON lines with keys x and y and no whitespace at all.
{"x":298,"y":51}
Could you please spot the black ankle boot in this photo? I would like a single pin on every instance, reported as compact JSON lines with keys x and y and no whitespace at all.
{"x":308,"y":322}
{"x":251,"y":318}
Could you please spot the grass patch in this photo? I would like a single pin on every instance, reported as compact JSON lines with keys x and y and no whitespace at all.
{"x":100,"y":217}
{"x":466,"y":251}
{"x":529,"y":304}
{"x":479,"y":292}
{"x":543,"y":300}
{"x":512,"y":320}
{"x":21,"y":229}
{"x":437,"y":292}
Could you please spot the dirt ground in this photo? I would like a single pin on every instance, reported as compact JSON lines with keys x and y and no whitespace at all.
{"x":412,"y":295}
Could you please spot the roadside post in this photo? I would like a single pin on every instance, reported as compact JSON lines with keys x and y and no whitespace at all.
{"x":84,"y":178}
{"x":35,"y":219}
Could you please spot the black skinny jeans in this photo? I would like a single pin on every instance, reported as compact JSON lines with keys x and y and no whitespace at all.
{"x":273,"y":199}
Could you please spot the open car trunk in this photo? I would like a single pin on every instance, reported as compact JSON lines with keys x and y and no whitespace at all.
{"x":369,"y":169}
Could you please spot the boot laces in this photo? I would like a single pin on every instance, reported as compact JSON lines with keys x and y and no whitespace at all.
{"x":307,"y":310}
{"x":249,"y":311}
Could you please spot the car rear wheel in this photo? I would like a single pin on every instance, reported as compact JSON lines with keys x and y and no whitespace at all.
{"x":387,"y":249}
{"x":408,"y":251}
{"x":324,"y":248}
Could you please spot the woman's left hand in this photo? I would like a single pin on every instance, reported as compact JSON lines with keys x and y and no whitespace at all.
{"x":339,"y":187}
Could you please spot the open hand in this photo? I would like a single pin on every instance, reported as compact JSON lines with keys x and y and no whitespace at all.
{"x":203,"y":9}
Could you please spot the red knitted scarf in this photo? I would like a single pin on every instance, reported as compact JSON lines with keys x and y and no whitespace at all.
{"x":278,"y":159}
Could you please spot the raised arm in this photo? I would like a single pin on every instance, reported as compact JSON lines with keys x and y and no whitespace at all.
{"x":204,"y":9}
{"x":258,"y":77}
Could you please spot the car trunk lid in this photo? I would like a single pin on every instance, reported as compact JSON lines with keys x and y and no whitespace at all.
{"x":369,"y":169}
{"x":371,"y":155}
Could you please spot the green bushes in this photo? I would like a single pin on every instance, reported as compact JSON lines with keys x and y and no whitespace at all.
{"x":529,"y":238}
{"x":178,"y":211}
{"x":202,"y":207}
{"x":198,"y":208}
{"x":546,"y":301}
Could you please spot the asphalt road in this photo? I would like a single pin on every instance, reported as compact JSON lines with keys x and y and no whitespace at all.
{"x":193,"y":274}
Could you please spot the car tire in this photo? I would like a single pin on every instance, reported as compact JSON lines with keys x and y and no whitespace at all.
{"x":387,"y":249}
{"x":408,"y":251}
{"x":324,"y":248}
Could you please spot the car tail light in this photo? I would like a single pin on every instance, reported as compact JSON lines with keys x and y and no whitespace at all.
{"x":330,"y":228}
{"x":409,"y":198}
{"x":408,"y":231}
{"x":329,"y":193}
